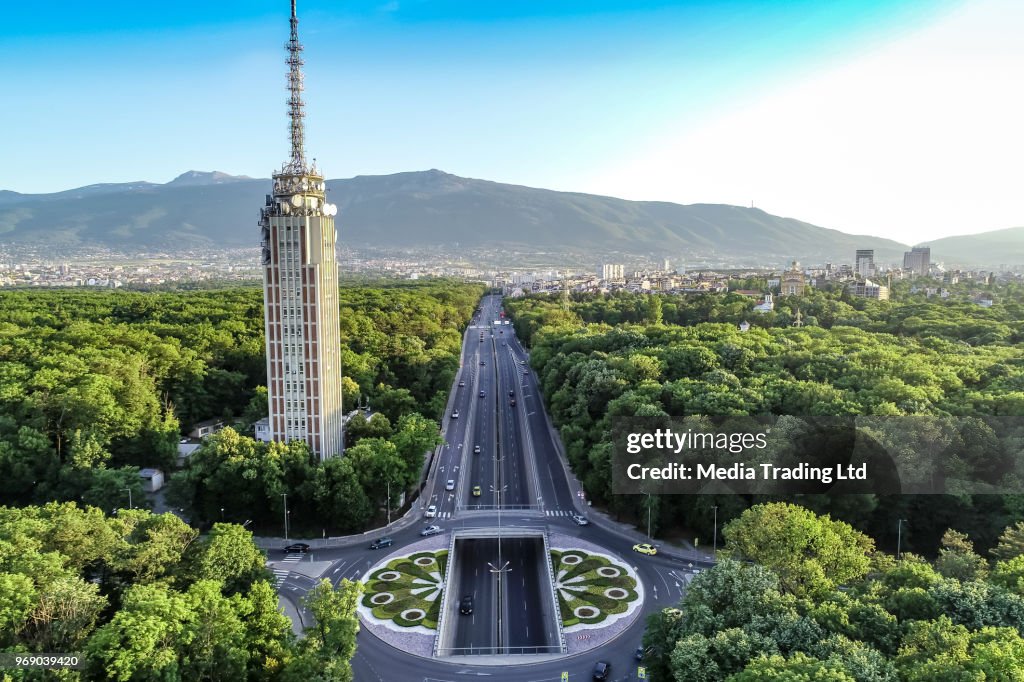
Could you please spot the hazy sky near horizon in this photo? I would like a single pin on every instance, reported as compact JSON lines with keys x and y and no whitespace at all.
{"x":896,"y":118}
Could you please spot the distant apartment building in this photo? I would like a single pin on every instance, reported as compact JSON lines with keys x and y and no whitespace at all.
{"x":868,"y":289}
{"x":865,"y":263}
{"x":610,"y":271}
{"x":918,"y":260}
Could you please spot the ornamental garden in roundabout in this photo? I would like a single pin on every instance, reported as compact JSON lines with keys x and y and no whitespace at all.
{"x":406,"y":591}
{"x":593,"y":589}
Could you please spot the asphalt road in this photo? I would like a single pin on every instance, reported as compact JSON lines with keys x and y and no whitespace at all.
{"x":525,"y":433}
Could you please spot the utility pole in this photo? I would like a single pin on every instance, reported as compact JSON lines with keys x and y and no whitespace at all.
{"x":389,"y":503}
{"x":899,"y":537}
{"x":285,"y":496}
{"x":648,"y":516}
{"x":129,"y":497}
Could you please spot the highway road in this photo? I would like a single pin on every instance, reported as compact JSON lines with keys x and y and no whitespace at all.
{"x":531,"y":473}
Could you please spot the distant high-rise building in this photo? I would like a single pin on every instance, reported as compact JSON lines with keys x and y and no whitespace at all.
{"x":300,"y":292}
{"x":613,"y":271}
{"x":918,"y":260}
{"x":865,"y":263}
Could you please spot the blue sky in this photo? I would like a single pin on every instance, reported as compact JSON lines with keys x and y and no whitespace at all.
{"x":731,"y":101}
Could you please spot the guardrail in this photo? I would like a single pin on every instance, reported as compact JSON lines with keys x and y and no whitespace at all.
{"x":449,"y":571}
{"x":554,"y":596}
{"x":498,"y":650}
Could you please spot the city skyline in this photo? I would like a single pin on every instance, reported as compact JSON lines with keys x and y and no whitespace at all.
{"x":790,"y":108}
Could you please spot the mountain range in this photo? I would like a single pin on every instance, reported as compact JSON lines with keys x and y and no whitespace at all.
{"x":432,"y":208}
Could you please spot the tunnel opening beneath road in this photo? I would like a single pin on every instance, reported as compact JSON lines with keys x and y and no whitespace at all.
{"x":499,"y":599}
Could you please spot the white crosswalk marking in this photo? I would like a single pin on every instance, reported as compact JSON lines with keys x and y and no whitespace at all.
{"x":279,"y":576}
{"x":293,"y":558}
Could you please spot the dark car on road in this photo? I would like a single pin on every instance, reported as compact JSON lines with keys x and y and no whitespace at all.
{"x":381,"y":542}
{"x":297,"y":548}
{"x":602,"y":669}
{"x":466,"y":605}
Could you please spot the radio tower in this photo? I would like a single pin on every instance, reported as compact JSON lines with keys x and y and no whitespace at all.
{"x":296,"y":112}
{"x":300,"y":292}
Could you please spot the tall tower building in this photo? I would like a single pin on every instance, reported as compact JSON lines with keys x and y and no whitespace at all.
{"x":300,"y":291}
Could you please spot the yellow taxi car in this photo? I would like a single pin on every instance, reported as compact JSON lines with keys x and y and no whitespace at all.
{"x":645,"y":548}
{"x":476,"y":491}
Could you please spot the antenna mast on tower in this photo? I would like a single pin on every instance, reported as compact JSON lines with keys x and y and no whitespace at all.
{"x":296,"y":113}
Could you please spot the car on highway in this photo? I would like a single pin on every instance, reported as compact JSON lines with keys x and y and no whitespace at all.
{"x":476,"y":449}
{"x":525,"y":372}
{"x":476,"y":491}
{"x":602,"y":669}
{"x":297,"y":548}
{"x":455,"y":414}
{"x":639,"y":653}
{"x":483,"y":393}
{"x":466,"y":605}
{"x":431,"y":511}
{"x":645,"y":548}
{"x":512,"y":402}
{"x":381,"y":542}
{"x":462,"y":384}
{"x":511,"y":394}
{"x":430,"y":530}
{"x":522,"y":362}
{"x":580,"y":520}
{"x":450,"y":485}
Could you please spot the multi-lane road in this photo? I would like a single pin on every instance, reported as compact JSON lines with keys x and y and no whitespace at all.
{"x":523,"y":483}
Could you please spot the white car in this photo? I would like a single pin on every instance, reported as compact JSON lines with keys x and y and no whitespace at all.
{"x":580,"y":520}
{"x":430,"y":530}
{"x":450,"y":485}
{"x":455,"y":414}
{"x":431,"y":511}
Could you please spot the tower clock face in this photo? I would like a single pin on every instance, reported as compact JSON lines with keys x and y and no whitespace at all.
{"x":296,"y":200}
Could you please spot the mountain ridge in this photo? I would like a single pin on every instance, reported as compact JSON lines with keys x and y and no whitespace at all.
{"x":434,"y":208}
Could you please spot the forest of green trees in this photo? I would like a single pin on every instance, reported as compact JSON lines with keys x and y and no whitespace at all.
{"x":799,"y":597}
{"x":96,"y":384}
{"x":145,"y":597}
{"x":625,"y":355}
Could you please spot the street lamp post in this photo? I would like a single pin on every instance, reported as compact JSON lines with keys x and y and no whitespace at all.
{"x":648,"y":516}
{"x":899,"y":537}
{"x":389,"y":503}
{"x":716,"y":531}
{"x":129,"y":497}
{"x":501,"y":568}
{"x":285,"y":496}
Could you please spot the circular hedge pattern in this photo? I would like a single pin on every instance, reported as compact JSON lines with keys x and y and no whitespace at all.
{"x":407,"y":590}
{"x":585,"y":612}
{"x":592,"y":588}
